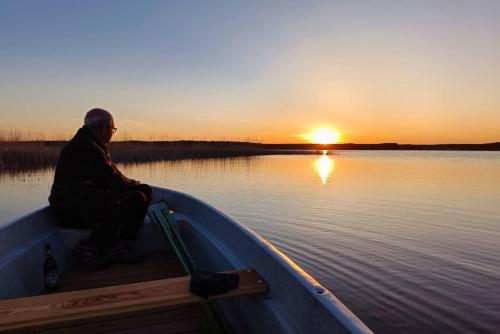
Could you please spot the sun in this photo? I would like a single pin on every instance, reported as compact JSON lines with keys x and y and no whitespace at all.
{"x":324,"y":136}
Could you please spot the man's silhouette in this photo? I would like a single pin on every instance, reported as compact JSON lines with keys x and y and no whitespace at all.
{"x":90,"y":192}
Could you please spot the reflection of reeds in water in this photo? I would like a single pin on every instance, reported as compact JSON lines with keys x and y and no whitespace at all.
{"x":195,"y":168}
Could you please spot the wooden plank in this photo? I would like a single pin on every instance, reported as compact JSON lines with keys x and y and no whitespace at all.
{"x":170,"y":328}
{"x":175,"y":320}
{"x":153,"y":261}
{"x":67,"y":307}
{"x":158,"y":265}
{"x":125,"y":279}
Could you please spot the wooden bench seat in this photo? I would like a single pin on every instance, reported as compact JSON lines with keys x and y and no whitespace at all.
{"x":80,"y":306}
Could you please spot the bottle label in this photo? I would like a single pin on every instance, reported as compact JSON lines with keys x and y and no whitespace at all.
{"x":52,"y":278}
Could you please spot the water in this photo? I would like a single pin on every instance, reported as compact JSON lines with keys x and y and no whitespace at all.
{"x":409,"y":241}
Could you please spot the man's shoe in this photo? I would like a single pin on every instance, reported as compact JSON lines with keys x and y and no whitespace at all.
{"x":123,"y":253}
{"x":89,"y":256}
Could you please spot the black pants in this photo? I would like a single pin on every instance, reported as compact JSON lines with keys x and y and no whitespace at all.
{"x":112,"y":215}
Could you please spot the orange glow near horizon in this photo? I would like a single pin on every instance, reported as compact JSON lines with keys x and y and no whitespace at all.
{"x":323,"y":136}
{"x":288,"y":132}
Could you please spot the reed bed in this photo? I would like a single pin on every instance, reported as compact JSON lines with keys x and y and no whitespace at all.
{"x":23,"y":156}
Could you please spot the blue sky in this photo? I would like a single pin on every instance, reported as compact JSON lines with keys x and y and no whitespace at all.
{"x":377,"y":71}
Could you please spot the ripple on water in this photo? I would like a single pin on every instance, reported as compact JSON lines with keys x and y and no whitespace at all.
{"x":409,"y":241}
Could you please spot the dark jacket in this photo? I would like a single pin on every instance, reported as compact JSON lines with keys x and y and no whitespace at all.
{"x":85,"y":163}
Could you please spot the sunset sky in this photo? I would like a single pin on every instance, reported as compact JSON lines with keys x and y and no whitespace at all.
{"x":267,"y":71}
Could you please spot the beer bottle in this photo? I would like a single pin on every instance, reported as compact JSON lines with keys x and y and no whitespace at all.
{"x":50,"y":274}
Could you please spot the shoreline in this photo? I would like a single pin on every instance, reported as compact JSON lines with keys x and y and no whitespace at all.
{"x":20,"y":156}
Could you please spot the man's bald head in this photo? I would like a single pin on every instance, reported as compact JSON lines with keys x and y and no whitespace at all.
{"x":98,"y":117}
{"x":101,"y":124}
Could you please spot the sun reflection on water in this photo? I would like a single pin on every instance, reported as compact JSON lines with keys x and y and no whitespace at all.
{"x":324,"y":166}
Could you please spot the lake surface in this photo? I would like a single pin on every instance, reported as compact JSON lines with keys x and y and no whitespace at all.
{"x":409,"y":241}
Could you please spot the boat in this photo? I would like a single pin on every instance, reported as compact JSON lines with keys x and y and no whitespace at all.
{"x":293,"y":301}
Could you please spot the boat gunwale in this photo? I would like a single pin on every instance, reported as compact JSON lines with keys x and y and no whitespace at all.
{"x":323,"y":296}
{"x":44,"y":209}
{"x":341,"y":312}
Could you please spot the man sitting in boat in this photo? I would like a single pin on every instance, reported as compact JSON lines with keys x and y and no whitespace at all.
{"x":90,"y":192}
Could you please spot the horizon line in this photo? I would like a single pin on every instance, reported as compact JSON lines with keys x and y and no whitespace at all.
{"x":253,"y":143}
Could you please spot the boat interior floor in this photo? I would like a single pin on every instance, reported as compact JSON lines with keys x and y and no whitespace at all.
{"x":158,"y":265}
